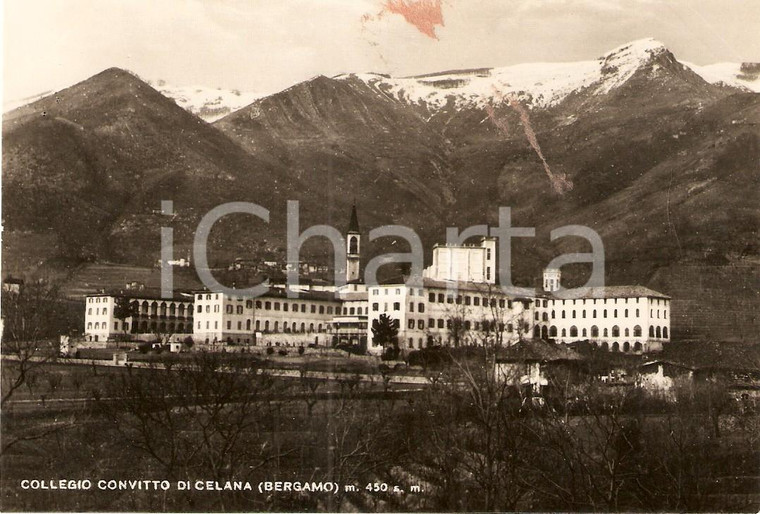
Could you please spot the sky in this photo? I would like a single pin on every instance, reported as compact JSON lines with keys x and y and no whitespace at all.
{"x":265,"y":46}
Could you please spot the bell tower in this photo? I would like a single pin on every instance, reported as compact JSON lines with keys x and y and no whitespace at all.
{"x":353,"y":248}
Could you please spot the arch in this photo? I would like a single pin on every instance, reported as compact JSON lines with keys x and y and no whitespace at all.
{"x":651,"y":331}
{"x":606,"y":333}
{"x":553,"y":331}
{"x":172,"y":310}
{"x":536,"y":332}
{"x":615,"y":331}
{"x":665,"y":332}
{"x":353,"y":245}
{"x":564,"y":332}
{"x":144,"y":327}
{"x":181,"y":328}
{"x":658,"y":332}
{"x":584,"y":333}
{"x":627,"y":332}
{"x":605,"y":346}
{"x":594,"y":331}
{"x":544,"y":332}
{"x":163,"y":308}
{"x":573,"y":331}
{"x":303,"y":327}
{"x":626,"y":346}
{"x":154,"y":308}
{"x":637,"y":347}
{"x":637,"y":331}
{"x":615,"y":347}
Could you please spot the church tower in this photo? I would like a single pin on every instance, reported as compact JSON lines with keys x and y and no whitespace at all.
{"x":353,"y":248}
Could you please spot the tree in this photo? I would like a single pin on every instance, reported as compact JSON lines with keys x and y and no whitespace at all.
{"x":385,"y":333}
{"x":124,"y":309}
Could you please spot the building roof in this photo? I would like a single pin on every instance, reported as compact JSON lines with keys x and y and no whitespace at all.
{"x":605,"y":292}
{"x":147,"y":294}
{"x":460,"y":285}
{"x":530,"y":350}
{"x":353,"y":224}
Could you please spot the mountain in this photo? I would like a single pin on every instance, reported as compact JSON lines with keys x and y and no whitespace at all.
{"x":209,"y":104}
{"x":662,"y":163}
{"x":85,"y":170}
{"x":745,"y":76}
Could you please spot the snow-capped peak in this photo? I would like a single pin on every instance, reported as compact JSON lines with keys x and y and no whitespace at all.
{"x":208,"y":103}
{"x":536,"y":84}
{"x":745,"y":76}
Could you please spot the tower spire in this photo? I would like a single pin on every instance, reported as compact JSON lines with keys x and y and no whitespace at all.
{"x":353,"y":224}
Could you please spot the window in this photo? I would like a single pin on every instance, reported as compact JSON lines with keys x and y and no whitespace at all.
{"x":411,"y":323}
{"x":420,"y":307}
{"x":583,"y":313}
{"x":563,"y":314}
{"x":554,"y":315}
{"x":626,"y":313}
{"x":637,"y":331}
{"x":229,"y":309}
{"x":248,"y":324}
{"x":249,"y":304}
{"x":284,"y":306}
{"x":277,"y":306}
{"x":313,"y":309}
{"x":573,"y":331}
{"x":431,"y":297}
{"x":658,"y":333}
{"x":502,"y":303}
{"x":239,"y":309}
{"x":594,"y":331}
{"x":396,"y":306}
{"x":431,"y":323}
{"x":411,"y":306}
{"x":605,"y":313}
{"x":329,"y":309}
{"x":467,"y":300}
{"x":564,"y":332}
{"x":476,"y":301}
{"x":208,"y":309}
{"x":449,"y":299}
{"x":552,"y":331}
{"x":627,"y":332}
{"x":375,"y":307}
{"x":665,"y":332}
{"x":268,"y":306}
{"x":440,"y":323}
{"x":229,"y":325}
{"x":545,"y":316}
{"x":615,"y":331}
{"x":420,"y":324}
{"x":240,"y":325}
{"x":536,"y":315}
{"x":606,"y":333}
{"x":321,"y":309}
{"x":651,"y":331}
{"x":584,"y":333}
{"x":440,"y":298}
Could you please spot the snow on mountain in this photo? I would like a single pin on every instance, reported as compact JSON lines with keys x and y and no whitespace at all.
{"x":205,"y":102}
{"x":536,"y":84}
{"x":740,"y":75}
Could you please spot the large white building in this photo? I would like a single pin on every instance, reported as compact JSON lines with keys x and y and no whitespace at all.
{"x":456,"y":303}
{"x":154,"y":318}
{"x":270,"y":319}
{"x":464,"y":263}
{"x":616,"y":318}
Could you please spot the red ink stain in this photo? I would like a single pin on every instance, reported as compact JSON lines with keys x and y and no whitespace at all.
{"x":560,"y":182}
{"x":423,"y":14}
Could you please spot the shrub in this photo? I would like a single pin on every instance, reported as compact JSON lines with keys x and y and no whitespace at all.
{"x":282,"y":352}
{"x":270,"y":350}
{"x":301,"y":350}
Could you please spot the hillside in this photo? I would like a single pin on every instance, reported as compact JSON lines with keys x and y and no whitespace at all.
{"x":91,"y":164}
